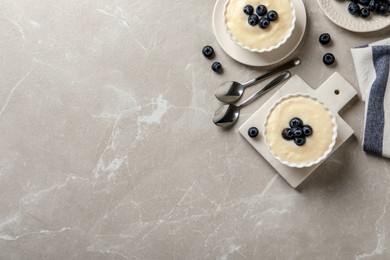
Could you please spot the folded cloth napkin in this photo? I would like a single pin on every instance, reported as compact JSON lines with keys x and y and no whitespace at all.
{"x":372,"y":70}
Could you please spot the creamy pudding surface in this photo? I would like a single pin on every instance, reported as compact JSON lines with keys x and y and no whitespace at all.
{"x":312,"y":113}
{"x":254,"y":37}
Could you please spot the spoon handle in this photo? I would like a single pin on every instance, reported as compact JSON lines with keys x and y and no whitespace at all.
{"x":279,"y":79}
{"x":285,"y":66}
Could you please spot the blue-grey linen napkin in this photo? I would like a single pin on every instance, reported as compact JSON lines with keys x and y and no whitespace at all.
{"x":372,"y":71}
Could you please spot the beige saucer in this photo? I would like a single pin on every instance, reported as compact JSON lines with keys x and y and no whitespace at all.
{"x":258,"y":59}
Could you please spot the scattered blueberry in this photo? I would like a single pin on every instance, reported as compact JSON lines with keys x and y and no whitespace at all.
{"x":253,"y":20}
{"x":296,"y":122}
{"x":208,"y":51}
{"x":328,"y":59}
{"x":288,"y":134}
{"x":253,"y":132}
{"x":248,"y":9}
{"x":261,"y":10}
{"x":325,"y":38}
{"x":307,"y":130}
{"x":217,"y":67}
{"x":264,"y":23}
{"x":353,"y":8}
{"x":299,"y":141}
{"x":365,"y":12}
{"x":272,"y":15}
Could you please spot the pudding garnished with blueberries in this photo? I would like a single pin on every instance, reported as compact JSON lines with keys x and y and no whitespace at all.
{"x":299,"y":130}
{"x":259,"y":24}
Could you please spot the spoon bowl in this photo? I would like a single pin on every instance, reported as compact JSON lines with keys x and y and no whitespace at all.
{"x":229,"y":92}
{"x":228,"y":114}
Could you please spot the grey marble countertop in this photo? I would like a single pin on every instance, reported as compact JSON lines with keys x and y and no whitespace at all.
{"x":108,"y":151}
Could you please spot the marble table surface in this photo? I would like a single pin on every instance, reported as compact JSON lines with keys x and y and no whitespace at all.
{"x":108,"y":151}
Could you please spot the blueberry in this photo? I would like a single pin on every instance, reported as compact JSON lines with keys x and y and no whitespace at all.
{"x":365,"y":12}
{"x":264,"y":23}
{"x":364,"y":2}
{"x":296,"y":122}
{"x":373,"y":5}
{"x":253,"y":19}
{"x":353,"y":8}
{"x":387,"y":9}
{"x":299,"y":141}
{"x":261,"y":10}
{"x":307,"y":130}
{"x":383,"y":9}
{"x":248,"y":9}
{"x":272,"y":15}
{"x":253,"y":132}
{"x":328,"y":59}
{"x":208,"y":51}
{"x":217,"y":67}
{"x":288,"y":134}
{"x":325,"y":38}
{"x":378,"y":6}
{"x":297,"y":131}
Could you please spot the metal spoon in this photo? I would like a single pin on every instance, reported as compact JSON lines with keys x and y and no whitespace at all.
{"x":231,"y":91}
{"x":228,"y":114}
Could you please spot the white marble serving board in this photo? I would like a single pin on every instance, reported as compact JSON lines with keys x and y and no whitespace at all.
{"x":325,"y":93}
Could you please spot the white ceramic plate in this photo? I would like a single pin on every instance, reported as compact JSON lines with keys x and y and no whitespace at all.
{"x":337,"y":12}
{"x":258,"y":59}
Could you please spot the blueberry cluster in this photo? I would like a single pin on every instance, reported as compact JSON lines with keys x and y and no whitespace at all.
{"x":364,"y":8}
{"x":297,"y":131}
{"x":261,"y":16}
